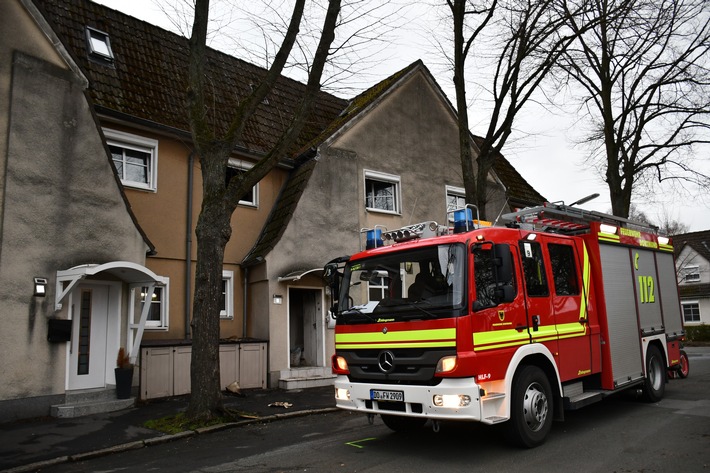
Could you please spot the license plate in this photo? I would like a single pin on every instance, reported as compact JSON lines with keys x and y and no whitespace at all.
{"x":380,"y":395}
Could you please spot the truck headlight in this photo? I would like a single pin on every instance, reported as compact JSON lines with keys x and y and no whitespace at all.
{"x":452,"y":400}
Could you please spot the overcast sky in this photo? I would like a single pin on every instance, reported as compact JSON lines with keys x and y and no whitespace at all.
{"x":543,"y":150}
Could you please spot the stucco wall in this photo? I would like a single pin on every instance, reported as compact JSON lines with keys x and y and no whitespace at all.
{"x":61,"y":207}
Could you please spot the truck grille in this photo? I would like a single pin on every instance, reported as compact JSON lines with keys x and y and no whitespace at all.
{"x":408,"y":366}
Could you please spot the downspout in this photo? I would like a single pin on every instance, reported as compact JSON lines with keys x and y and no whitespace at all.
{"x":244,"y":303}
{"x":188,"y":243}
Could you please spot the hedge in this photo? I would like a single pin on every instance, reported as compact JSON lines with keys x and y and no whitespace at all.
{"x":697,"y":333}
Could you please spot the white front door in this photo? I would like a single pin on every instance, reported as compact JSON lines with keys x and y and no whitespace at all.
{"x":88,"y":358}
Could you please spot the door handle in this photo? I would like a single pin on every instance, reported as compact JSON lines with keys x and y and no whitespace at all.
{"x":535,"y":322}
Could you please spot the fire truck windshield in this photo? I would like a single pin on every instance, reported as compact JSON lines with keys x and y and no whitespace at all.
{"x":421,"y":283}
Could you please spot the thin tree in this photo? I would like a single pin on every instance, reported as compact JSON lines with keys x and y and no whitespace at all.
{"x":529,"y":37}
{"x":643,"y":72}
{"x":220,"y":199}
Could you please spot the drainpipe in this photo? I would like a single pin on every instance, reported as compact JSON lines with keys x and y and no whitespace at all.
{"x":244,"y":303}
{"x":188,"y":243}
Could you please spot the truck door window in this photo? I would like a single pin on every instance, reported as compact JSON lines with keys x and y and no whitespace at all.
{"x":564,"y":274}
{"x":484,"y":275}
{"x":534,"y":269}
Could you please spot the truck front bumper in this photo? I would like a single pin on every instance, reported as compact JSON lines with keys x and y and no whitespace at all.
{"x":463,"y":395}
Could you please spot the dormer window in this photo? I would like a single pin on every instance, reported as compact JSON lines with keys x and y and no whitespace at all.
{"x":99,"y":45}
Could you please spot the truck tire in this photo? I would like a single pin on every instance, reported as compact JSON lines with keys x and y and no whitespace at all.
{"x":531,"y":408}
{"x":401,"y":423}
{"x":684,"y":365}
{"x":654,"y":385}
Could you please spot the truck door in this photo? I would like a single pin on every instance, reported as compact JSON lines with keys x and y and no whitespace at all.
{"x":538,"y":304}
{"x":569,"y":294}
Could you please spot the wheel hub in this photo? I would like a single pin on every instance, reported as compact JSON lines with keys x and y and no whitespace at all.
{"x":535,"y":407}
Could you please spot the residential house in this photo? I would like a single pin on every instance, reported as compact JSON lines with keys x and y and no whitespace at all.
{"x":387,"y":157}
{"x":692,"y":252}
{"x":70,"y":247}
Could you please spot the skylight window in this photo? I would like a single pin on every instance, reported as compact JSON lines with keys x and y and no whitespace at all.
{"x":99,"y":45}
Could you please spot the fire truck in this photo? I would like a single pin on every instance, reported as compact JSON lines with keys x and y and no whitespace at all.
{"x":553,"y":309}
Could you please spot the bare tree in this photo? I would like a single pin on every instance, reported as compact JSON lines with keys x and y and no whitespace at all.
{"x":526,"y":39}
{"x":219,"y":199}
{"x":643,"y":71}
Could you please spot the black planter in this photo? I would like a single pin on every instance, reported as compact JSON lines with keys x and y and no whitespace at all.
{"x":124,"y":382}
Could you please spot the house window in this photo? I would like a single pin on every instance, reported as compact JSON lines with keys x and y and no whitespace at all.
{"x":382,"y":192}
{"x":691,"y":312}
{"x":455,"y":198}
{"x":227,"y":309}
{"x":692,"y":274}
{"x":99,"y":45}
{"x":135,"y":159}
{"x":236,"y":167}
{"x":157,"y":313}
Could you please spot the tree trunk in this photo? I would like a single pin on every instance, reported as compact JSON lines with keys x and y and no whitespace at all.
{"x":213,"y":231}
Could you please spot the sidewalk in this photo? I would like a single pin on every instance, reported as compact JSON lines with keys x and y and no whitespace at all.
{"x":29,"y":445}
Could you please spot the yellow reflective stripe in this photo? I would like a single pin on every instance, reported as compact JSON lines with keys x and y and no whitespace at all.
{"x":611,"y":237}
{"x":445,"y":337}
{"x":544,"y":333}
{"x":571,"y":330}
{"x":665,"y":247}
{"x":499,"y":339}
{"x":586,"y":270}
{"x":340,"y":346}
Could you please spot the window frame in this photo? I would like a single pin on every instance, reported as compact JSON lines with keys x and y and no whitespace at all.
{"x":382,"y":177}
{"x":142,"y":144}
{"x":685,"y":304}
{"x":241,"y":165}
{"x":228,"y":280}
{"x":103,"y":37}
{"x":691,"y":270}
{"x":164,"y":323}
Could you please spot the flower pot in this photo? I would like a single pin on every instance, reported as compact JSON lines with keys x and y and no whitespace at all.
{"x":124,"y":382}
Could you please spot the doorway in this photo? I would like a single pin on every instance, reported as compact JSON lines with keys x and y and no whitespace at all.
{"x":94,"y":332}
{"x":306,"y":331}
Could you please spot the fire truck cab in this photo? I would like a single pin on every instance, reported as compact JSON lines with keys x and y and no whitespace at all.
{"x":504,"y":324}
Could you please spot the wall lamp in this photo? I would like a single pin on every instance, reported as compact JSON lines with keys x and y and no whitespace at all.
{"x":278,"y":299}
{"x":40,"y":285}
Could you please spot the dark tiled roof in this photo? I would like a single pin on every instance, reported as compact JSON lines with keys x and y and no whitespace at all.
{"x":688,"y":291}
{"x":148,"y":79}
{"x":147,"y":83}
{"x":698,"y":241}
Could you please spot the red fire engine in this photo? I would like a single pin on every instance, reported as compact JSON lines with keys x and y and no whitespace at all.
{"x":504,"y":324}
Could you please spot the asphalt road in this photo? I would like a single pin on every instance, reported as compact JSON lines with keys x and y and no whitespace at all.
{"x":620,"y":435}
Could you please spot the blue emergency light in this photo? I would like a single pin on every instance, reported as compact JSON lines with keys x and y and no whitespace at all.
{"x":463,"y":220}
{"x":374,"y":238}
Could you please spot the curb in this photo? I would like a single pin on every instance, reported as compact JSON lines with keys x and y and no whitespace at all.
{"x":161,"y":439}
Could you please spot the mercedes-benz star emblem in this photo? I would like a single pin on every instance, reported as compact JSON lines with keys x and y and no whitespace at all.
{"x":385,"y":360}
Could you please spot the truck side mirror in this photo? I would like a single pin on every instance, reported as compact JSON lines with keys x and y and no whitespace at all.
{"x":332,"y":279}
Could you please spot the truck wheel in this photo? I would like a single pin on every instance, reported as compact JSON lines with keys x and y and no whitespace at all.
{"x":401,"y":423}
{"x":655,"y":383}
{"x":530,"y":408}
{"x":684,"y":365}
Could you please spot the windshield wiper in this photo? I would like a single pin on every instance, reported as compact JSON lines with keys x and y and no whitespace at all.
{"x":355,"y":310}
{"x":416,"y":305}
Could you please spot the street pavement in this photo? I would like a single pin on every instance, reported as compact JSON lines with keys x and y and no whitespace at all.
{"x":29,"y":445}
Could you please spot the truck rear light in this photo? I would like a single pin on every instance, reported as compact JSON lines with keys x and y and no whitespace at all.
{"x":452,"y":400}
{"x":340,"y":365}
{"x":446,"y":364}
